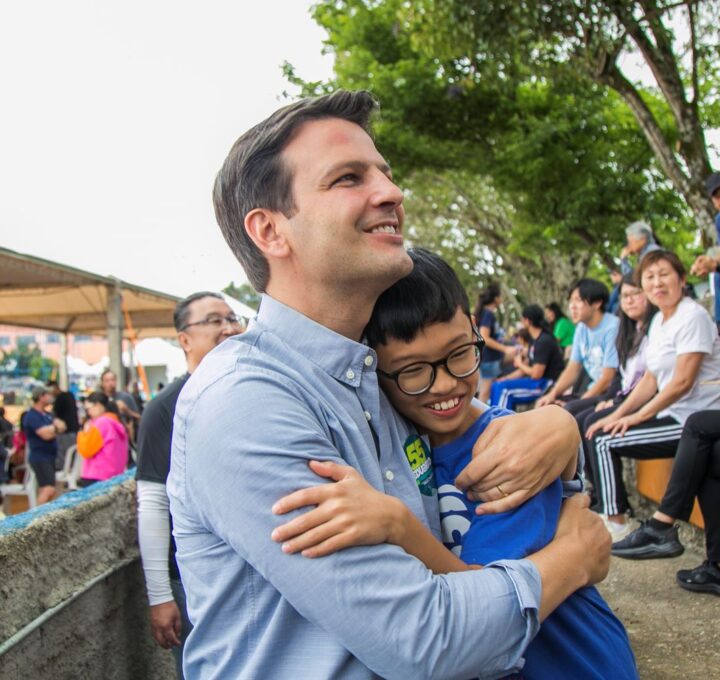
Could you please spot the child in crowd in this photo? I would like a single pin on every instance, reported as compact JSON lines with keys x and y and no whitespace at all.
{"x":429,"y":353}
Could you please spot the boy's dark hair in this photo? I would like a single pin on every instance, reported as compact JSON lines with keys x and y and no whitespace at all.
{"x":254,"y":176}
{"x":431,"y":293}
{"x":591,"y":291}
{"x":182,"y":308}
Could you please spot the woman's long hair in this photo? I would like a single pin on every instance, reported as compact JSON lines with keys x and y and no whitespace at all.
{"x":631,"y":333}
{"x":554,"y":307}
{"x":484,"y":299}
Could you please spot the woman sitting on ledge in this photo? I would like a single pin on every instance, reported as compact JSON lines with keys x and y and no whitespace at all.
{"x":683,"y":358}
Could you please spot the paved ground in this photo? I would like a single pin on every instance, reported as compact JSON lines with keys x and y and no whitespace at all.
{"x":675,"y":634}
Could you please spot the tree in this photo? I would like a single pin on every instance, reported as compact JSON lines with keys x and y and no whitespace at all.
{"x":589,"y":40}
{"x":27,"y":360}
{"x":245,"y":293}
{"x":563,"y":150}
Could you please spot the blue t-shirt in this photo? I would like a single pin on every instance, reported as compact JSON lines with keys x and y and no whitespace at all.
{"x":595,"y":347}
{"x":582,"y":638}
{"x":488,"y":320}
{"x":40,"y":449}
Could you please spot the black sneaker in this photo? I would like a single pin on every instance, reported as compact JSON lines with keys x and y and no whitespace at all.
{"x":703,"y":579}
{"x":646,"y":543}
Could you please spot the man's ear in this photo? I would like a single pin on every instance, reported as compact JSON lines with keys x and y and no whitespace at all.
{"x":184,"y":341}
{"x":264,"y":227}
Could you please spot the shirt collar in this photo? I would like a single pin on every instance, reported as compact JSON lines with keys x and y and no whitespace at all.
{"x":342,"y":358}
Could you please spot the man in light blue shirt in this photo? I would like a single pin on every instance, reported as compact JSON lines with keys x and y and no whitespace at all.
{"x":308,"y":206}
{"x":593,"y":348}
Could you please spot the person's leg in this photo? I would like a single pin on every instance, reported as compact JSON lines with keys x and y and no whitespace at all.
{"x":584,"y":420}
{"x":655,"y":438}
{"x":489,"y":371}
{"x":45,"y":475}
{"x":705,"y":578}
{"x":507,"y":393}
{"x":577,"y":406}
{"x":179,"y":595}
{"x":690,"y":468}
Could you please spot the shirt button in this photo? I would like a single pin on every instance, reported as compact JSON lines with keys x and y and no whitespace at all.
{"x":368,"y":417}
{"x":389,"y":475}
{"x":350,"y":374}
{"x":368,"y":360}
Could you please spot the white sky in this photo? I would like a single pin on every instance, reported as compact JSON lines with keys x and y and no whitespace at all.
{"x":117,"y":116}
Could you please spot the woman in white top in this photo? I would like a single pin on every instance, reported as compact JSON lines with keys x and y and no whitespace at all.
{"x":683,"y":355}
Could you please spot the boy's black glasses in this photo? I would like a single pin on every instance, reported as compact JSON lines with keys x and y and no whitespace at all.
{"x":419,"y":377}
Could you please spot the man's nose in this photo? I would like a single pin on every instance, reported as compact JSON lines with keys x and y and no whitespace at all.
{"x":386,"y":191}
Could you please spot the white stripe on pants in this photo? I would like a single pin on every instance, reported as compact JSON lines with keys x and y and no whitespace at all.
{"x":605,"y":470}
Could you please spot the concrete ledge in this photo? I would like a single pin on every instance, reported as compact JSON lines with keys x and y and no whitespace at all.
{"x":72,"y":593}
{"x":51,"y":552}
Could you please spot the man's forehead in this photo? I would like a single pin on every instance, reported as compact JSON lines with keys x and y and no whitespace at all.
{"x":208,"y":305}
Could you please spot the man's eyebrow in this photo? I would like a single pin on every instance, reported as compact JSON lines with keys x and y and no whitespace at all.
{"x":356,"y":166}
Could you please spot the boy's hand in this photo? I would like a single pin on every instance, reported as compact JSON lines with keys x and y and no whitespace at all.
{"x":518,"y":456}
{"x":348,"y":513}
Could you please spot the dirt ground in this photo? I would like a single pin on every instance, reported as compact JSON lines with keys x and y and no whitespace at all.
{"x":674,"y":633}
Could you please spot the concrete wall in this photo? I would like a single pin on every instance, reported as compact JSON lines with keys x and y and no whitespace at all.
{"x":72,"y":593}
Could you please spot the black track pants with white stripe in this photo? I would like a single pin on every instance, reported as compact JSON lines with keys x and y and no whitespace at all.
{"x":655,"y":438}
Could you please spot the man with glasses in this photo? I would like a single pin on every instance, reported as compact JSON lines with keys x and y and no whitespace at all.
{"x":308,"y":205}
{"x":202,"y":321}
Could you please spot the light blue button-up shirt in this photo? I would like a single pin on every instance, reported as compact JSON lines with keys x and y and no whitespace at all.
{"x":256,"y":410}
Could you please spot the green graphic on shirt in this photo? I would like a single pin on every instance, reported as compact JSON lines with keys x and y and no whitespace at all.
{"x":419,"y":458}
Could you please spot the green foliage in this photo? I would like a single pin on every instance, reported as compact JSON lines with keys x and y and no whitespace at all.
{"x":27,"y":360}
{"x":495,"y":96}
{"x":245,"y":293}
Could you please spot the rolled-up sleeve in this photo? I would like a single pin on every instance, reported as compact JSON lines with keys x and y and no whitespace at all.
{"x":246,"y":445}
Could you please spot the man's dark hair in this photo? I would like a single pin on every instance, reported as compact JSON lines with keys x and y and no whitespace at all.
{"x":182,"y":308}
{"x":105,"y":372}
{"x":254,"y":175}
{"x":534,"y":314}
{"x":591,"y":291}
{"x":431,"y":293}
{"x":52,"y":383}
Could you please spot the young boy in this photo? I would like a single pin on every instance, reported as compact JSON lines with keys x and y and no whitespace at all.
{"x":428,"y":358}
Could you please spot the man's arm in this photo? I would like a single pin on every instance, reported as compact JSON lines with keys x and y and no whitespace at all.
{"x":263,"y":436}
{"x":566,"y":380}
{"x":518,"y":456}
{"x":601,"y":385}
{"x":154,"y":541}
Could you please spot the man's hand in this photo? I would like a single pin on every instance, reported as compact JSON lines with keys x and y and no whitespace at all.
{"x":703,"y":265}
{"x":60,"y":426}
{"x":166,"y":624}
{"x":578,"y":556}
{"x":584,"y":529}
{"x":518,"y":456}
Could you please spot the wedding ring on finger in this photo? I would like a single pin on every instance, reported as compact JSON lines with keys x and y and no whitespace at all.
{"x":504,"y":493}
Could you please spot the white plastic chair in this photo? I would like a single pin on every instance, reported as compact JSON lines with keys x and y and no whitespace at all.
{"x":72,"y":468}
{"x":28,"y":487}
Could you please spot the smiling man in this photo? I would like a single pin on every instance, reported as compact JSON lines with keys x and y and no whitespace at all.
{"x":308,"y":206}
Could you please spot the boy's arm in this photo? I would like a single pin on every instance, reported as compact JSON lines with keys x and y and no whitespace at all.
{"x":351,"y":513}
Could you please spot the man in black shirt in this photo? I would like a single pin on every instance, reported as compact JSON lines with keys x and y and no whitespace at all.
{"x":530,"y":379}
{"x":202,"y":320}
{"x":64,"y":408}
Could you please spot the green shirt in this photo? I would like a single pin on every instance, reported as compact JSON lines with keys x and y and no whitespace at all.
{"x":564,"y":330}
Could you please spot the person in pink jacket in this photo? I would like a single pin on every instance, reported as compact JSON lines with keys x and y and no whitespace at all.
{"x":103,"y":442}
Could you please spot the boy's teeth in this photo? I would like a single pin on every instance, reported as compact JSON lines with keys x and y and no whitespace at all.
{"x":445,"y":405}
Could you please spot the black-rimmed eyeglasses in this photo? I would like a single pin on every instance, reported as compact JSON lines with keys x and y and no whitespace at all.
{"x":217,"y":321}
{"x":419,"y":377}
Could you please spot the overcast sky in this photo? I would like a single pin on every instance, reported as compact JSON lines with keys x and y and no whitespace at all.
{"x":117,"y":116}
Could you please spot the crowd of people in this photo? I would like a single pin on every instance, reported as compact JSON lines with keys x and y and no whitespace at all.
{"x":322,"y":467}
{"x":642,"y":383}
